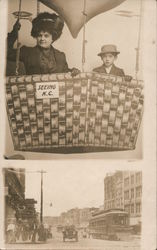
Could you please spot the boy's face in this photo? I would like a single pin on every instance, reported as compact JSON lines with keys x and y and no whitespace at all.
{"x":108,"y":59}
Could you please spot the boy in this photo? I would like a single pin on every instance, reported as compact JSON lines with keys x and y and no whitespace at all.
{"x":108,"y":55}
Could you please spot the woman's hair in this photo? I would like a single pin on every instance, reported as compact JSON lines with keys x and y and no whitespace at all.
{"x":47,"y":22}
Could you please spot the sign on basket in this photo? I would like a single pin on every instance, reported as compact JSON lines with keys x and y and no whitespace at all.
{"x":47,"y":90}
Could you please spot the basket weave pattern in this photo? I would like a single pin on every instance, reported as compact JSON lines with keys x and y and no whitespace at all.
{"x":92,"y":110}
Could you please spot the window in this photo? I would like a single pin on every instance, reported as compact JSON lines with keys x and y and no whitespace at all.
{"x":119,"y":220}
{"x":121,"y":202}
{"x":132,"y":179}
{"x":132,"y":193}
{"x":138,"y":208}
{"x":138,"y":192}
{"x":126,"y":195}
{"x":112,"y":205}
{"x":138,"y":178}
{"x":126,"y":181}
{"x":127,"y":208}
{"x":132,"y":208}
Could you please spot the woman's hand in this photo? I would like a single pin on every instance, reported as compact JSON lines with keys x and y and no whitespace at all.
{"x":16,"y":26}
{"x":12,"y":36}
{"x":74,"y":72}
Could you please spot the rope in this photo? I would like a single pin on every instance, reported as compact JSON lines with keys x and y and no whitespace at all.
{"x":18,"y":44}
{"x":38,"y":7}
{"x":84,"y":36}
{"x":139,"y":42}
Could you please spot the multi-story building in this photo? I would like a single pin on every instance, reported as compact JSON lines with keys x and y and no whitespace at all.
{"x":77,"y":216}
{"x":52,"y":220}
{"x":133,"y":195}
{"x":73,"y":216}
{"x":14,"y":192}
{"x":16,"y":205}
{"x":113,"y":191}
{"x":123,"y":190}
{"x":63,"y":218}
{"x":85,"y":215}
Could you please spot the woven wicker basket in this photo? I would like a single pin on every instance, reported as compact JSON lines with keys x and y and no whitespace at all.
{"x":94,"y":112}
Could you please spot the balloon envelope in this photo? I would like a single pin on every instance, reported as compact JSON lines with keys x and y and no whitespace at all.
{"x":72,"y":10}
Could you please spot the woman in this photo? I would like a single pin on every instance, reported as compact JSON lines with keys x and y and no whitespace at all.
{"x":43,"y":58}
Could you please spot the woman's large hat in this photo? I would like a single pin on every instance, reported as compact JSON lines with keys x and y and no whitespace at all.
{"x":47,"y":22}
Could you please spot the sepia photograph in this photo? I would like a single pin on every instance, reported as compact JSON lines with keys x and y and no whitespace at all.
{"x":86,"y":209}
{"x":78,"y":125}
{"x":74,"y":79}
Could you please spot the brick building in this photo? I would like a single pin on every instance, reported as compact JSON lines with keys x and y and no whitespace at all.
{"x":113,"y":191}
{"x":85,"y":215}
{"x":77,"y":216}
{"x":52,"y":220}
{"x":71,"y":217}
{"x":133,"y":195}
{"x":16,"y":205}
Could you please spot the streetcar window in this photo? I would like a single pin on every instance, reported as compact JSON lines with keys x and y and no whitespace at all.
{"x":119,"y":220}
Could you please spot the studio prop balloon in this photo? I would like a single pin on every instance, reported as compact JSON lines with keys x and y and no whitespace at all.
{"x":72,"y":11}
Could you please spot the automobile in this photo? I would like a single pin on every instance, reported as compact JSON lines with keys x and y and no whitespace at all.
{"x":70,"y":232}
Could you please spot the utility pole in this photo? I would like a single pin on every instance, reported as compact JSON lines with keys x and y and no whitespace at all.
{"x":41,"y":195}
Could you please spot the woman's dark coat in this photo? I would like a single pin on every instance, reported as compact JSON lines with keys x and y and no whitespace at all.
{"x":31,"y":58}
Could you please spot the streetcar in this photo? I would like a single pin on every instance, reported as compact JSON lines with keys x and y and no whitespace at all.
{"x":110,"y":225}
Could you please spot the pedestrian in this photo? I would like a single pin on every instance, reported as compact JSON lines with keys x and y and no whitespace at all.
{"x":43,"y":58}
{"x":11,"y":238}
{"x":18,"y":229}
{"x":34,"y":232}
{"x":42,"y":233}
{"x":108,"y":56}
{"x":25,"y":231}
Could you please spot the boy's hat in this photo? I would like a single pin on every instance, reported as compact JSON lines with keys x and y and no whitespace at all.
{"x":108,"y":48}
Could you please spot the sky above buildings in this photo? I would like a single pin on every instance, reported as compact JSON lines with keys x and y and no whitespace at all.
{"x":66,"y":187}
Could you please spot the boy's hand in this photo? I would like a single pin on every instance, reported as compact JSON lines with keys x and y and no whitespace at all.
{"x":74,"y":71}
{"x":128,"y":78}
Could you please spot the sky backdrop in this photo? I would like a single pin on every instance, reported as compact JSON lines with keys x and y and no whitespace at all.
{"x":104,"y":28}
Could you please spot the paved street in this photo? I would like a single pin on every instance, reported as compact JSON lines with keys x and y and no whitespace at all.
{"x":82,"y":244}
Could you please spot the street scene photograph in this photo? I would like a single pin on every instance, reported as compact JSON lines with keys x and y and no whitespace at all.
{"x":87,"y":209}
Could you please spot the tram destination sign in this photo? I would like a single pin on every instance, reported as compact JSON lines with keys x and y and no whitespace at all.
{"x":47,"y":90}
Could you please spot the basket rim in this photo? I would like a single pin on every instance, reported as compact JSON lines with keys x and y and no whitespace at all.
{"x":67,"y":76}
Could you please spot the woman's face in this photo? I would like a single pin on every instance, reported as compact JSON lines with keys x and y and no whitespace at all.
{"x":44,"y":39}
